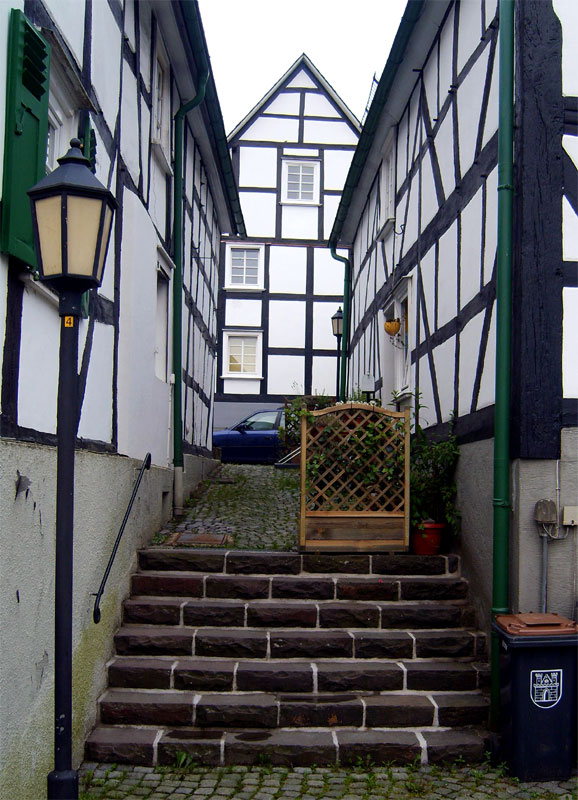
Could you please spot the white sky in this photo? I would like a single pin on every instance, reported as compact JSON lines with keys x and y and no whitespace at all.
{"x":252,"y":43}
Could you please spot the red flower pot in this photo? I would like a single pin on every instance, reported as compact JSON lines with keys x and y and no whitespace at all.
{"x":426,"y":541}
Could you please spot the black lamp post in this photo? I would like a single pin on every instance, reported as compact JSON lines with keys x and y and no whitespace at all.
{"x":337,"y":323}
{"x":72,"y":215}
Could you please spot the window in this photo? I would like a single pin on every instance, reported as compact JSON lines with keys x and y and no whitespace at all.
{"x":300,"y":182}
{"x":161,"y":109}
{"x":242,"y":355}
{"x":262,"y":421}
{"x":399,"y":345}
{"x":387,"y":189}
{"x":244,"y":268}
{"x":162,"y":325}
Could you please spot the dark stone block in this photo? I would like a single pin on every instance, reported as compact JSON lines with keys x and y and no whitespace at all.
{"x":186,"y":560}
{"x":274,"y":677}
{"x":321,"y":711}
{"x":140,"y":673}
{"x":120,"y":707}
{"x":398,"y":711}
{"x":168,"y":583}
{"x":460,"y":710}
{"x":204,"y":675}
{"x":157,"y":641}
{"x":204,"y":747}
{"x":204,"y":613}
{"x":484,"y":675}
{"x":383,"y":644}
{"x":377,"y":746}
{"x":370,"y":676}
{"x":304,"y":588}
{"x":246,"y":588}
{"x":408,"y":565}
{"x":453,"y":563}
{"x":280,"y":748}
{"x":237,"y":711}
{"x":231,"y":644}
{"x":367,"y":589}
{"x":440,"y":677}
{"x":430,"y":644}
{"x":400,"y":615}
{"x":270,"y":615}
{"x":348,"y":615}
{"x":334,"y":563}
{"x":263,"y":563}
{"x":153,"y":611}
{"x":434,"y":589}
{"x":468,"y":617}
{"x":450,"y":745}
{"x":121,"y":745}
{"x":481,"y":645}
{"x":311,"y":644}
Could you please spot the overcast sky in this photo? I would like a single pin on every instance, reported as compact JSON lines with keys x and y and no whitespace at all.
{"x":252,"y":43}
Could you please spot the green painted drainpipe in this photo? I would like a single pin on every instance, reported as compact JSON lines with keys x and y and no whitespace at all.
{"x":178,"y":290}
{"x":345,"y":337}
{"x":502,"y":509}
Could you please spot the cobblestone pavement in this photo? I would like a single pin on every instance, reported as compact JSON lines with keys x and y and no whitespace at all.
{"x":241,"y":506}
{"x":456,"y":782}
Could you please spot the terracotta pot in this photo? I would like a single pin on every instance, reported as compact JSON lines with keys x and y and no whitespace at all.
{"x":427,"y":541}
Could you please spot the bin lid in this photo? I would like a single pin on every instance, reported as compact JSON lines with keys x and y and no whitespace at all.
{"x":536,"y":624}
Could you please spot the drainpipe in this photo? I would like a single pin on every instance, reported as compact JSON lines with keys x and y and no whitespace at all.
{"x":502,"y":509}
{"x":178,"y":290}
{"x":345,"y":337}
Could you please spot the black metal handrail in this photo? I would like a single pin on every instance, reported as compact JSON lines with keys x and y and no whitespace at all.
{"x":146,"y":464}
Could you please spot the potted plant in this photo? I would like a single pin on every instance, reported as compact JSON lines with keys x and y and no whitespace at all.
{"x":432,"y":490}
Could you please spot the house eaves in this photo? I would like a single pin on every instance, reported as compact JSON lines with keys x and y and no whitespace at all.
{"x":420,"y":23}
{"x":302,"y":61}
{"x":181,"y":22}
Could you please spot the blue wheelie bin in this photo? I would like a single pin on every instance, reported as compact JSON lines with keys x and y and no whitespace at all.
{"x":538,"y":676}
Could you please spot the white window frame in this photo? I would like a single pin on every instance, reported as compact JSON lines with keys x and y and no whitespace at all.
{"x":400,"y":307}
{"x":161,"y":108}
{"x":62,"y":119}
{"x":248,"y":333}
{"x":387,"y":188}
{"x":162,"y":325}
{"x":286,"y":164}
{"x":245,"y":287}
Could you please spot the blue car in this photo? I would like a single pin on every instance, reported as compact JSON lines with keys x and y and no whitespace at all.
{"x":253,"y":440}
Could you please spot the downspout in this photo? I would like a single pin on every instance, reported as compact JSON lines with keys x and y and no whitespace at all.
{"x":502,"y":509}
{"x":178,"y":290}
{"x":345,"y":337}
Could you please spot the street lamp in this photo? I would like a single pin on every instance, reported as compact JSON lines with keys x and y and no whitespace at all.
{"x":337,"y":323}
{"x":72,"y":217}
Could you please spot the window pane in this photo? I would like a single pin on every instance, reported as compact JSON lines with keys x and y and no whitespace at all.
{"x":243,"y":354}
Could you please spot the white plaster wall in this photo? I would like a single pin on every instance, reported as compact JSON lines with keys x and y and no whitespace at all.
{"x":241,"y":386}
{"x":323,"y":338}
{"x":286,"y":374}
{"x":491,"y":224}
{"x":96,"y":415}
{"x":299,"y":222}
{"x":330,"y":205}
{"x":324,"y":375}
{"x":243,"y":312}
{"x":3,"y":297}
{"x":259,"y":213}
{"x":328,"y":272}
{"x":447,"y":276}
{"x":300,"y":151}
{"x":567,"y":13}
{"x":69,"y":17}
{"x":258,"y":166}
{"x":158,"y":194}
{"x":287,"y":269}
{"x":570,"y":342}
{"x":328,"y":132}
{"x":445,"y":153}
{"x":316,"y":105}
{"x":286,"y":323}
{"x":285,"y":103}
{"x":302,"y":81}
{"x":273,"y":129}
{"x":569,"y":232}
{"x":471,"y":248}
{"x":106,"y":49}
{"x":469,"y":349}
{"x":488,"y":383}
{"x":444,"y":359}
{"x":129,"y":132}
{"x":336,"y":165}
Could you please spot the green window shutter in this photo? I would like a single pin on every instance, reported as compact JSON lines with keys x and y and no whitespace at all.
{"x":25,"y":135}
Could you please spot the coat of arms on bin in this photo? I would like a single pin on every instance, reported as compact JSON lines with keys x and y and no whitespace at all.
{"x":546,"y":687}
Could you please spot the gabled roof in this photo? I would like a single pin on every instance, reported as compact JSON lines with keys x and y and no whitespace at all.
{"x":302,"y":62}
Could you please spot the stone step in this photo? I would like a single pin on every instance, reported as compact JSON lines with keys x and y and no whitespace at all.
{"x":149,"y":610}
{"x":301,"y":643}
{"x":235,"y":562}
{"x":151,"y":746}
{"x":297,"y":587}
{"x":267,"y":710}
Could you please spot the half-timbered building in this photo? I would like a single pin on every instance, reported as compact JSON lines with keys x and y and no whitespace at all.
{"x":122,"y":77}
{"x":420,"y":212}
{"x":280,"y":286}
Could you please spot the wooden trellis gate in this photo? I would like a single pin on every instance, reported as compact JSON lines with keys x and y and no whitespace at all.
{"x":354,"y":479}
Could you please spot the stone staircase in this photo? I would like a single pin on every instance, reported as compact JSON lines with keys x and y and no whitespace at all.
{"x":281,"y":658}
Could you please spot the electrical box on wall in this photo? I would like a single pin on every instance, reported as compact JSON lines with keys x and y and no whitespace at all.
{"x":570,"y":515}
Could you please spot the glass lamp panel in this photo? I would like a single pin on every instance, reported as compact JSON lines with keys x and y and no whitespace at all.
{"x":104,"y":241}
{"x":49,"y":220}
{"x":83,"y":225}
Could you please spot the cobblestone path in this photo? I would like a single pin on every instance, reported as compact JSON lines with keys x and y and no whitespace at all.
{"x":242,"y":506}
{"x":106,"y":782}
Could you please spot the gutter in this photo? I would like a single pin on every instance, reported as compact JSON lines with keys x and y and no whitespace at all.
{"x":502,"y":508}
